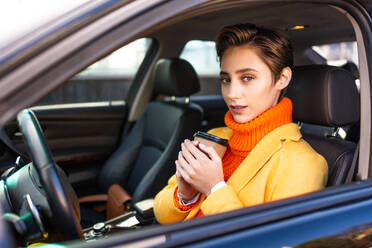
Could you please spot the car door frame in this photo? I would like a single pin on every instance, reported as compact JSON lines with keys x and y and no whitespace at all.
{"x":255,"y":226}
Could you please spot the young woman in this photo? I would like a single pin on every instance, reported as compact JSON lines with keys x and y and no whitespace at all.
{"x":266,"y":158}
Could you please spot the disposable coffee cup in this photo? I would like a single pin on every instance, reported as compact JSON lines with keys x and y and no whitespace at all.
{"x":218,"y":144}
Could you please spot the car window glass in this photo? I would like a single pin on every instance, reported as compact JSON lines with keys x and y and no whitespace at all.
{"x":203,"y":57}
{"x":338,"y":54}
{"x":106,"y":80}
{"x":26,"y":16}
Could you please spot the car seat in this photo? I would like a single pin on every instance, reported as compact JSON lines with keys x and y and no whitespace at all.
{"x":145,"y":159}
{"x":327,"y":96}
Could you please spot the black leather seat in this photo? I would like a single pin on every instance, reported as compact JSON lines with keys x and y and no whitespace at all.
{"x":145,"y":160}
{"x":327,"y":96}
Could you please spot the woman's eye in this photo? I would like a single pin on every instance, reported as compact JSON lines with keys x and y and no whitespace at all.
{"x":224,"y":80}
{"x":247,"y":78}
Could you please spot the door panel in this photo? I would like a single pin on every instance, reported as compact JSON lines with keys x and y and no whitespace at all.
{"x":80,"y":136}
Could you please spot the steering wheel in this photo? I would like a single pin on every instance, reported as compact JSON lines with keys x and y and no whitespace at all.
{"x":64,"y":212}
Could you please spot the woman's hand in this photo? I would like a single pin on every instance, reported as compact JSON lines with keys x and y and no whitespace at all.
{"x":200,"y":168}
{"x":185,"y":190}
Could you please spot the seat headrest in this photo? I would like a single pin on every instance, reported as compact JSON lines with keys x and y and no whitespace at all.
{"x":353,"y":68}
{"x":324,"y":95}
{"x":175,"y":77}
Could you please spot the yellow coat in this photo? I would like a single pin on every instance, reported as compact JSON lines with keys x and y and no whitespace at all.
{"x":281,"y":165}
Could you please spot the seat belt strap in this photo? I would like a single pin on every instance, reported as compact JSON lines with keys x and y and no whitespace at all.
{"x":351,"y":171}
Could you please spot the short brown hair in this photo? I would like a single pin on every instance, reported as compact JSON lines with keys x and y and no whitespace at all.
{"x":272,"y":46}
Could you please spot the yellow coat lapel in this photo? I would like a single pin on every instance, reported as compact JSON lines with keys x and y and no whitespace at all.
{"x":261,"y":153}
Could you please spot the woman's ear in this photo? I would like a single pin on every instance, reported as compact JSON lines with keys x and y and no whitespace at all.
{"x":284,"y":79}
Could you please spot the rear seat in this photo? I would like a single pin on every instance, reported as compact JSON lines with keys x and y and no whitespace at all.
{"x":326,"y":96}
{"x":350,"y":132}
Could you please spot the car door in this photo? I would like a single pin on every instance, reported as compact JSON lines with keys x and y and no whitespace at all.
{"x":83,"y":120}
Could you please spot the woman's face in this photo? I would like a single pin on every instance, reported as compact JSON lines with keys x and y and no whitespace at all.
{"x":247,"y":84}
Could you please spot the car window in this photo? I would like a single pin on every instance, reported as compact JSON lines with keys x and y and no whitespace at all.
{"x":203,"y":57}
{"x":338,"y":54}
{"x":26,"y":16}
{"x":106,"y":80}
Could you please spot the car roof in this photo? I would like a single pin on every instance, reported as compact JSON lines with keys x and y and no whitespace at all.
{"x":323,"y":24}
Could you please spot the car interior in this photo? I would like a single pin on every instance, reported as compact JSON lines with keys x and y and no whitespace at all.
{"x":126,"y":130}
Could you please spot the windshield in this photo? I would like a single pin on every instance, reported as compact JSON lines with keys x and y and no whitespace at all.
{"x":19,"y":17}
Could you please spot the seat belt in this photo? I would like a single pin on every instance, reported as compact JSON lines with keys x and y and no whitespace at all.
{"x":351,"y":171}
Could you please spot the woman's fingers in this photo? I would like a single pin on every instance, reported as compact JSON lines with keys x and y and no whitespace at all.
{"x":210,"y":151}
{"x":182,"y":172}
{"x":178,"y":174}
{"x":182,"y":160}
{"x":190,"y":158}
{"x":190,"y":146}
{"x":186,"y":167}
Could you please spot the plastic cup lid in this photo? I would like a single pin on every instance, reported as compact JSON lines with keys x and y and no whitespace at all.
{"x":211,"y":137}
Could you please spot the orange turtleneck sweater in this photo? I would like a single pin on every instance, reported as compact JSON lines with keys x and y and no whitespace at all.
{"x":246,"y":136}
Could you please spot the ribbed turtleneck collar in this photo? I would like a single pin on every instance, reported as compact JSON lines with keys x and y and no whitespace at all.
{"x":247,"y":135}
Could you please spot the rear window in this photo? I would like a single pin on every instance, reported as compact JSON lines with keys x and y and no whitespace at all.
{"x":338,"y":54}
{"x":203,"y":57}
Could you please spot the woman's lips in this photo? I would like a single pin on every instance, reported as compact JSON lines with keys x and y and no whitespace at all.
{"x":237,"y":109}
